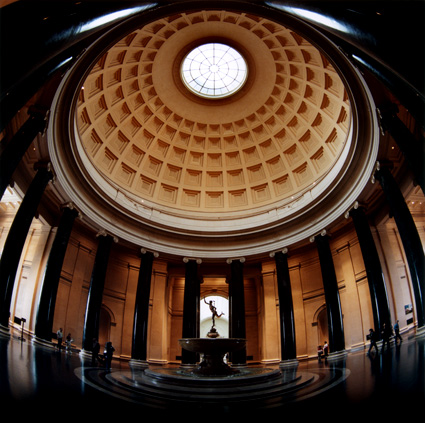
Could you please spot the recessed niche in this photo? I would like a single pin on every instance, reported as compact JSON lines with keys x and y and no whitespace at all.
{"x":146,"y":186}
{"x":214,"y":179}
{"x":260,"y":193}
{"x":193,"y":177}
{"x":191,"y":198}
{"x":168,"y":193}
{"x":214,"y":199}
{"x":238,"y":198}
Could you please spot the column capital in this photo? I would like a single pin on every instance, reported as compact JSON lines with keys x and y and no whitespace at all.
{"x":187,"y":259}
{"x":283,"y":251}
{"x":241,"y":259}
{"x":145,"y":250}
{"x":379,"y":166}
{"x":323,"y":232}
{"x":103,"y":232}
{"x":47,"y":166}
{"x":70,"y":205}
{"x":39,"y":110}
{"x":356,"y":206}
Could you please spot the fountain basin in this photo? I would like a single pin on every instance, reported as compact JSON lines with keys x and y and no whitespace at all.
{"x":213,"y":351}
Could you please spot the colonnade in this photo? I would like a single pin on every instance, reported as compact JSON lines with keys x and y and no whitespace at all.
{"x":410,"y":146}
{"x":46,"y":306}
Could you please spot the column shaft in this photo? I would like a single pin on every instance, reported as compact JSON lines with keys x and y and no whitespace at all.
{"x":18,"y":145}
{"x":190,"y":309}
{"x":237,"y":309}
{"x":413,"y":149}
{"x":409,"y":236}
{"x":286,"y":309}
{"x":141,"y":311}
{"x":94,"y":300}
{"x":333,"y":303}
{"x":16,"y":239}
{"x":46,"y":306}
{"x":375,"y":277}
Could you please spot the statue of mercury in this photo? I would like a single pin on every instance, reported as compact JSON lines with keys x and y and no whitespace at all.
{"x":213,"y":310}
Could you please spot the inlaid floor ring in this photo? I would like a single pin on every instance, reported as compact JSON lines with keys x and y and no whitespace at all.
{"x":171,"y":388}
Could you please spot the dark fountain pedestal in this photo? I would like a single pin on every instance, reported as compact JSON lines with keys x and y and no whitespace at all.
{"x":213,"y":351}
{"x":213,"y":381}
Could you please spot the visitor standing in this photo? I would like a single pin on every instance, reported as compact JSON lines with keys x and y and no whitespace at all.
{"x":325,"y":349}
{"x":95,"y":351}
{"x":68,"y":343}
{"x":109,"y":351}
{"x":59,"y":336}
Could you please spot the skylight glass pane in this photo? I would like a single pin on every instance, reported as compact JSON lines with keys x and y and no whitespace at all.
{"x":214,"y":70}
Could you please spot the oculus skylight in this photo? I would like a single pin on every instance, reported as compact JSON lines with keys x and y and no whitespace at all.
{"x":214,"y":70}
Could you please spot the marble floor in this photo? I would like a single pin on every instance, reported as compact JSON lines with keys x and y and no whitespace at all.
{"x":41,"y":380}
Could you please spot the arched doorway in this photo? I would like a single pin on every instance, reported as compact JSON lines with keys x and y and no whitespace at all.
{"x":322,"y":326}
{"x":104,"y":327}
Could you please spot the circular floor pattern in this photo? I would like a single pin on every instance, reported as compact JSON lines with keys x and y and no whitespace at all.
{"x":254,"y":388}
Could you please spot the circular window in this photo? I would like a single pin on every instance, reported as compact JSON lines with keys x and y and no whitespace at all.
{"x":214,"y":70}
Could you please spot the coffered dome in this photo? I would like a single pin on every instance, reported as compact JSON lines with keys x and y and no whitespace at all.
{"x":268,"y":153}
{"x":144,"y":131}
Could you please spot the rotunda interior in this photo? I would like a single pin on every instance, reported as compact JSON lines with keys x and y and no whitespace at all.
{"x":227,"y":160}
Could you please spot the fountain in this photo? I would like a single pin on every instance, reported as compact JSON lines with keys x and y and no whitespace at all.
{"x":213,"y":351}
{"x":212,"y":379}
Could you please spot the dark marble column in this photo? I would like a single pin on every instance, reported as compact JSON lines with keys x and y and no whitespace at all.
{"x":237,"y":327}
{"x":190,"y":308}
{"x":409,"y":236}
{"x":333,"y":303}
{"x":286,"y":308}
{"x":141,"y":311}
{"x":97,"y":283}
{"x":16,"y":239}
{"x":375,"y":277}
{"x":413,"y":148}
{"x":18,"y":145}
{"x":46,"y":306}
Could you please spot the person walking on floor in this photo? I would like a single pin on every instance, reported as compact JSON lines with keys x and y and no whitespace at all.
{"x":386,"y":335}
{"x":372,"y":338}
{"x":397,"y":332}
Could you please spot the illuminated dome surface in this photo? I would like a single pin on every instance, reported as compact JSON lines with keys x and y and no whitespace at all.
{"x":270,"y":144}
{"x":266,"y":153}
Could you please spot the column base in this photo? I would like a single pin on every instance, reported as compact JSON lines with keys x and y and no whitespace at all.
{"x":238,"y":365}
{"x":4,"y":330}
{"x":337,"y":355}
{"x":284,"y":364}
{"x":85,"y":354}
{"x":420,"y":331}
{"x":138,"y":364}
{"x":44,"y":343}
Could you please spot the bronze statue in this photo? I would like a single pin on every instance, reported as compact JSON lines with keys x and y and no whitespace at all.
{"x":213,"y":310}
